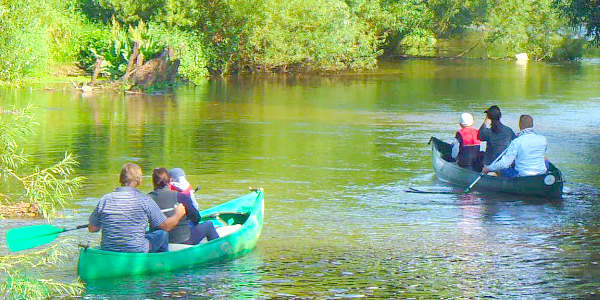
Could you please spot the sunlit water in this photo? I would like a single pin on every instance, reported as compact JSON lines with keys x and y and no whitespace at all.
{"x":335,"y":155}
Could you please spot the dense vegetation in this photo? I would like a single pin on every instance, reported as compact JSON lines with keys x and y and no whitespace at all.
{"x":48,"y":189}
{"x":227,"y":36}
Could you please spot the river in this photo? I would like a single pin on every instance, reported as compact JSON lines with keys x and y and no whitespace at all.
{"x":335,"y":155}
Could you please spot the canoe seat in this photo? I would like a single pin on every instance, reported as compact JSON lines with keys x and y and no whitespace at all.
{"x":227,"y":230}
{"x":176,"y":247}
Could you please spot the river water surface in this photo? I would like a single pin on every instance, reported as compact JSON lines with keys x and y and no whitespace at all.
{"x":335,"y":155}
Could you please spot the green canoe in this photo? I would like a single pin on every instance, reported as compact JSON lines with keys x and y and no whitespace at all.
{"x":549,"y":185}
{"x":247,"y":211}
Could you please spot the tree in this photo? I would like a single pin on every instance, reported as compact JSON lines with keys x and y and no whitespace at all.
{"x":584,"y":13}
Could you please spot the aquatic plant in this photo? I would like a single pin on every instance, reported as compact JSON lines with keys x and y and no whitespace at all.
{"x":21,"y":276}
{"x":48,"y":188}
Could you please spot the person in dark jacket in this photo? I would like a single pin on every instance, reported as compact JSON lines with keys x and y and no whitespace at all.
{"x":465,"y":148}
{"x":188,"y":230}
{"x":496,"y":135}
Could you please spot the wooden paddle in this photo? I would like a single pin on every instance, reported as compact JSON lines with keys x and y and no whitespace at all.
{"x":28,"y":237}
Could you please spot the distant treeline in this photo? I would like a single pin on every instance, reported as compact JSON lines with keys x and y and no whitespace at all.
{"x":229,"y":36}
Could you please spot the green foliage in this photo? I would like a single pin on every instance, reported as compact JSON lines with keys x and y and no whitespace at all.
{"x":516,"y":26}
{"x":584,"y":13}
{"x":452,"y":17}
{"x":115,"y":47}
{"x":222,"y":27}
{"x":128,"y":12}
{"x":21,"y":276}
{"x":47,"y":188}
{"x":188,"y":48}
{"x":224,"y":36}
{"x":419,"y":43}
{"x":23,"y":42}
{"x":570,"y":49}
{"x":314,"y":35}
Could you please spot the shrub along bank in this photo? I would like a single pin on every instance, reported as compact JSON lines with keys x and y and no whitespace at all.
{"x":230,"y":36}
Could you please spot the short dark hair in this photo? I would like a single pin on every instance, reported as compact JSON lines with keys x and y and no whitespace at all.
{"x":525,"y":121}
{"x":130,"y":173}
{"x":160,"y":177}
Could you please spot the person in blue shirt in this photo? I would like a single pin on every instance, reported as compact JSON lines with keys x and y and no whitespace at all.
{"x":124,"y":214}
{"x":527,"y":151}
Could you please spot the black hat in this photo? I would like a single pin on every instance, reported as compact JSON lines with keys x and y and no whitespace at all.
{"x":494,"y":112}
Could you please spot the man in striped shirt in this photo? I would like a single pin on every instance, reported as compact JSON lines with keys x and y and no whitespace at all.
{"x":124,"y":214}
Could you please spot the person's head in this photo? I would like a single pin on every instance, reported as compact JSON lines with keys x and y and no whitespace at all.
{"x":176,"y":174}
{"x":131,"y":175}
{"x":160,"y":178}
{"x":466,"y":120}
{"x":493,"y":113}
{"x":525,"y":121}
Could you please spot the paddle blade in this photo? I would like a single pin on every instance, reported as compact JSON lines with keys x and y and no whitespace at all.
{"x":28,"y":237}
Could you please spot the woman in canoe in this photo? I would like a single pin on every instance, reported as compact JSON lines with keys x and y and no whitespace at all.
{"x":497,"y":135}
{"x":189,"y":230}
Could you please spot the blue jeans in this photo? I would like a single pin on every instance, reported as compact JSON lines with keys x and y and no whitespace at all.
{"x":510,"y":172}
{"x":159,"y":241}
{"x":199,"y":231}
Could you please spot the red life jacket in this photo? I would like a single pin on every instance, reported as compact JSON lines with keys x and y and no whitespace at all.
{"x":469,"y":137}
{"x":468,"y":155}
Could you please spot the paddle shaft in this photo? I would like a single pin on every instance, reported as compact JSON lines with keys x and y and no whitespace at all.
{"x":481,"y":175}
{"x":86,"y":225}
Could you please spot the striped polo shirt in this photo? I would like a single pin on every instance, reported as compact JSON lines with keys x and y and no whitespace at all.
{"x":124,"y":216}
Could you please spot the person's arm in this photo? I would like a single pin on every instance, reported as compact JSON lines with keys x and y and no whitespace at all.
{"x":455,"y":147}
{"x":484,"y":130}
{"x":158,"y":219}
{"x":507,"y":159}
{"x":190,"y":210}
{"x":94,"y":225}
{"x":173,"y":220}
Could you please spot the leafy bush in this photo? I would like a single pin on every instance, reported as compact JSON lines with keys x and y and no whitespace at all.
{"x":570,"y":49}
{"x":523,"y":26}
{"x":23,"y":39}
{"x":115,"y":47}
{"x":188,"y":49}
{"x":313,"y":35}
{"x":128,"y":12}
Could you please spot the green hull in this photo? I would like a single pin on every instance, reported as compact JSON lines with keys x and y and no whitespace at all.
{"x":530,"y":185}
{"x":96,"y":264}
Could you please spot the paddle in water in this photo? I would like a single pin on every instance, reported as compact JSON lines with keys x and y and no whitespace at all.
{"x":468,"y":189}
{"x":28,"y":237}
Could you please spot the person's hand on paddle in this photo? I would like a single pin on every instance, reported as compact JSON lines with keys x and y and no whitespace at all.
{"x":179,"y":209}
{"x":485,"y":170}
